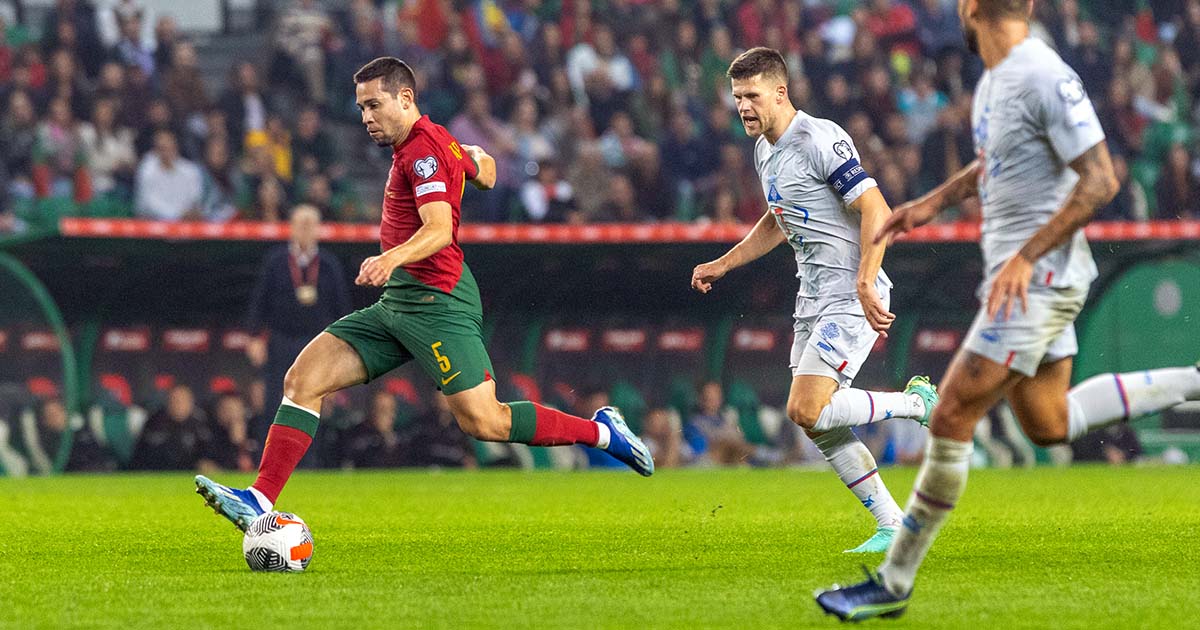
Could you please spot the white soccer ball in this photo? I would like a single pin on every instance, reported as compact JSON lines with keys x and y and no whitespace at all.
{"x":278,"y":541}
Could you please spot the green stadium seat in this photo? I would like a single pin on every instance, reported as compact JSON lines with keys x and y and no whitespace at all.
{"x":744,"y":399}
{"x":626,"y":397}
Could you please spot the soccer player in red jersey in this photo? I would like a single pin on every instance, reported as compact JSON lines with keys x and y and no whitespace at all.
{"x":430,"y":310}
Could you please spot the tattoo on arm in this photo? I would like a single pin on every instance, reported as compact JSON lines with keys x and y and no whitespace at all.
{"x":1097,"y":186}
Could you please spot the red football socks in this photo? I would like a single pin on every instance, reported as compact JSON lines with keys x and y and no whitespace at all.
{"x":536,"y":425}
{"x":285,"y":447}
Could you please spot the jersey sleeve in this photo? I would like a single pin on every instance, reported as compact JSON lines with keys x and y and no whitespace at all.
{"x":429,"y":172}
{"x":836,"y":160}
{"x":1063,"y":108}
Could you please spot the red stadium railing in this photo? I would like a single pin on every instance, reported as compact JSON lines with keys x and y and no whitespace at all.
{"x":608,"y":233}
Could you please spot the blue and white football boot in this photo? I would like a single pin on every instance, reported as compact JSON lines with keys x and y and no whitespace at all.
{"x":241,"y":507}
{"x":623,"y":444}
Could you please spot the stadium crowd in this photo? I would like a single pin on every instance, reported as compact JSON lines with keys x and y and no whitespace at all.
{"x":607,"y":110}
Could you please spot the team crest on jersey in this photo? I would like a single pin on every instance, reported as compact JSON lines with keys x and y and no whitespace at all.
{"x":425,"y":167}
{"x":842,"y":148}
{"x":1071,"y":90}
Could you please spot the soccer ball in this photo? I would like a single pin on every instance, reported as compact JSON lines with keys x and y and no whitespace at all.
{"x":278,"y":541}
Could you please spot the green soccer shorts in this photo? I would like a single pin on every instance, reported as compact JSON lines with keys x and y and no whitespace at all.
{"x":447,"y":344}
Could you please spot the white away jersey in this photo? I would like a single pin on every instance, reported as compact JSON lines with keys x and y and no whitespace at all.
{"x":810,"y":176}
{"x":1030,"y":119}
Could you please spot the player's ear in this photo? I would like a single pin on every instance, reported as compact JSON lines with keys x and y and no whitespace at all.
{"x":406,"y":97}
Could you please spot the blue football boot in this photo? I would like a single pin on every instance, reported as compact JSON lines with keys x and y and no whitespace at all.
{"x":239,"y":506}
{"x":623,"y":444}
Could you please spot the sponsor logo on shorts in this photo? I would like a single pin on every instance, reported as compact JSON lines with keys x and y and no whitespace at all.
{"x":991,"y":335}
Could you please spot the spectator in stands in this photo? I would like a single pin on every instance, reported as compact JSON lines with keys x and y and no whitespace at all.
{"x":270,"y":201}
{"x":301,"y":289}
{"x":548,"y":198}
{"x":663,"y":435}
{"x":169,"y":187}
{"x":1178,"y":187}
{"x":18,"y":138}
{"x":167,"y":39}
{"x":231,"y":447}
{"x":60,"y":159}
{"x":158,"y":117}
{"x":43,"y":432}
{"x":620,"y":203}
{"x":318,"y":193}
{"x":221,"y":182}
{"x":244,"y":104}
{"x":131,"y":48}
{"x":476,"y":125}
{"x":66,"y":82}
{"x":712,"y":431}
{"x":938,"y":27}
{"x":374,"y":443}
{"x":921,"y":104}
{"x":301,"y":34}
{"x":601,"y":76}
{"x":183,"y":86}
{"x":109,"y":151}
{"x":312,"y":149}
{"x":178,"y":437}
{"x":434,"y":439}
{"x":689,"y":156}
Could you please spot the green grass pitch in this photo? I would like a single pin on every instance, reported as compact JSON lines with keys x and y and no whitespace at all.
{"x":1047,"y":548}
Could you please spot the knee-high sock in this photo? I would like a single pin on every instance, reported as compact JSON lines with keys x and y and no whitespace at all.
{"x":854,"y":407}
{"x":542,"y":426}
{"x":855,"y":466}
{"x":940,"y":483}
{"x":287,"y":440}
{"x":1108,"y":398}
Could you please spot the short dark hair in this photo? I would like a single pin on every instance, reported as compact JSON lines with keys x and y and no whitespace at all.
{"x":1004,"y":9}
{"x":395,"y":73}
{"x":756,"y":61}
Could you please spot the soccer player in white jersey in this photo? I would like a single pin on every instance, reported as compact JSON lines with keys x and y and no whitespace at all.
{"x":1042,"y":170}
{"x":825,"y":205}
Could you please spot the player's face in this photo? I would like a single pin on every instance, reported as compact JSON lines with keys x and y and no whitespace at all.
{"x":970,"y":30}
{"x":758,"y":102}
{"x":383,"y":112}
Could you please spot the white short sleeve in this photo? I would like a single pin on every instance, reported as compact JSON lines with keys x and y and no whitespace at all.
{"x":836,"y":160}
{"x":1067,"y":113}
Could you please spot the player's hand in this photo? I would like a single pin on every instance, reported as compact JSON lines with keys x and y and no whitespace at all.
{"x":905,"y":217}
{"x":877,"y":315}
{"x":375,"y":271}
{"x":1010,"y":285}
{"x":704,"y":275}
{"x":476,"y":152}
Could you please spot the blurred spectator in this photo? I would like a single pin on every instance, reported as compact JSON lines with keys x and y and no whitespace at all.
{"x":476,"y":125}
{"x":712,"y":431}
{"x":269,"y":203}
{"x":374,"y":443}
{"x":300,"y":37}
{"x":589,"y":178}
{"x":220,"y":184}
{"x":601,"y":76}
{"x":301,"y":289}
{"x":689,"y":156}
{"x":231,"y":447}
{"x":66,"y":82}
{"x":531,"y":145}
{"x":664,"y":437}
{"x":318,"y":193}
{"x":1178,"y":188}
{"x":620,"y":204}
{"x":168,"y":187}
{"x":183,"y":86}
{"x":109,"y":152}
{"x":1123,"y":124}
{"x":166,"y":39}
{"x":921,"y":104}
{"x":18,"y":137}
{"x":548,"y":198}
{"x":43,"y":433}
{"x":948,"y":147}
{"x":938,"y":26}
{"x":244,"y":104}
{"x":131,"y":48}
{"x":158,"y":117}
{"x":60,"y":158}
{"x":312,"y":149}
{"x":178,"y":437}
{"x":434,"y":439}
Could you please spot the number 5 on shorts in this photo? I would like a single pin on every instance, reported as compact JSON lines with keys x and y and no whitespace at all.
{"x":443,"y":361}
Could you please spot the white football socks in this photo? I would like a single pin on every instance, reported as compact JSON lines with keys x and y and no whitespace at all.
{"x":855,"y":466}
{"x":940,"y":483}
{"x":604,"y":436}
{"x":263,"y":502}
{"x":1108,"y":398}
{"x":855,"y":407}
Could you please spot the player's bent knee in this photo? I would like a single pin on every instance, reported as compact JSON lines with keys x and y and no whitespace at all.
{"x":1047,"y":436}
{"x":804,"y":415}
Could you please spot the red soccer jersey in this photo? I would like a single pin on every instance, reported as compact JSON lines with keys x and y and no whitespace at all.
{"x":428,"y":166}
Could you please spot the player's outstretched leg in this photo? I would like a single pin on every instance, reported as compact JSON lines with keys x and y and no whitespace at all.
{"x":856,"y":407}
{"x":864,"y":600}
{"x":1110,"y":398}
{"x":326,"y":365}
{"x":483,"y":417}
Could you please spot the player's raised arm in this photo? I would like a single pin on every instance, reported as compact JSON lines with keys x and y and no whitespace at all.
{"x":436,"y":232}
{"x":765,"y":236}
{"x":875,"y":212}
{"x":962,"y":185}
{"x":485,"y":178}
